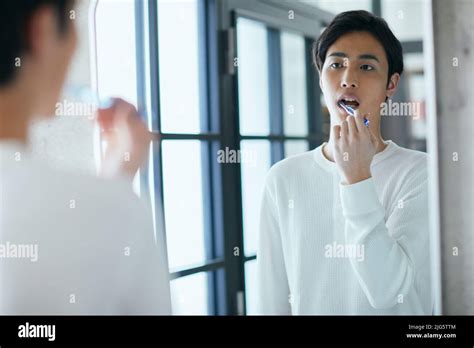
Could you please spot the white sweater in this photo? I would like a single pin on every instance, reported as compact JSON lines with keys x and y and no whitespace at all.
{"x":88,"y":243}
{"x":329,"y":248}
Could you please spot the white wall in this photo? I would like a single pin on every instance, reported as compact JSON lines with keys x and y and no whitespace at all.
{"x":453,"y":48}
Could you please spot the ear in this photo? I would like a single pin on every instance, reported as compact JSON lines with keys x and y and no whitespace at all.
{"x":41,"y":31}
{"x":393,"y":84}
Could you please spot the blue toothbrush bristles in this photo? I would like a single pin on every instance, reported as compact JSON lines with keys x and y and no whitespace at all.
{"x":351,"y":112}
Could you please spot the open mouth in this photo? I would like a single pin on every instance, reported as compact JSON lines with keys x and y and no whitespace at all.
{"x":348,"y":102}
{"x":348,"y":105}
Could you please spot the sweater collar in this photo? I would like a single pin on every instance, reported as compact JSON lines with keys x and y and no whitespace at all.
{"x":329,"y":166}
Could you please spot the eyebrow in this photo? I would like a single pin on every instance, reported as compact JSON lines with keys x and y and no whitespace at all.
{"x":362,"y":56}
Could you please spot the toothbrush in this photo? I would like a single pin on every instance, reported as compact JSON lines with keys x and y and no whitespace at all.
{"x":351,"y":112}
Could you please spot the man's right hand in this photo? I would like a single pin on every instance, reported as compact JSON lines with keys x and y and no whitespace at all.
{"x":127,"y":140}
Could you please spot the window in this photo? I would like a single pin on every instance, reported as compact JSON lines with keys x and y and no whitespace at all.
{"x":253,"y":77}
{"x":209,"y":167}
{"x":251,"y":294}
{"x":183,"y":199}
{"x":181,"y":112}
{"x":414,"y":79}
{"x":115,"y":37}
{"x":254,"y":169}
{"x":405,"y":18}
{"x":295,"y":110}
{"x":189,"y":295}
{"x":175,"y":79}
{"x":179,"y":66}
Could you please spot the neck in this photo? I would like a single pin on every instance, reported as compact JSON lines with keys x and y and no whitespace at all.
{"x":15,"y":114}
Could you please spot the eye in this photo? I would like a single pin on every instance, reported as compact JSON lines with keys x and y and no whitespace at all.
{"x":367,"y":67}
{"x":335,"y":65}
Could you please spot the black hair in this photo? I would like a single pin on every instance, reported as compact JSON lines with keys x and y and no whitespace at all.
{"x":14,"y":18}
{"x":356,"y":21}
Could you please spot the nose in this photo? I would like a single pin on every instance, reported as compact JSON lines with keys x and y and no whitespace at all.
{"x":349,"y":80}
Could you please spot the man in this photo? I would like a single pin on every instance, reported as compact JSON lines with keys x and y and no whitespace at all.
{"x":68,"y":244}
{"x":344,"y":228}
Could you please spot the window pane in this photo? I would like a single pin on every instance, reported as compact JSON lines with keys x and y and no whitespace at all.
{"x":254,"y":169}
{"x":115,"y":30}
{"x":253,"y":77}
{"x":189,"y":295}
{"x":251,"y":286}
{"x":414,"y":75}
{"x":295,"y":111}
{"x":183,"y":197}
{"x":295,"y":147}
{"x":179,"y":66}
{"x":405,"y":18}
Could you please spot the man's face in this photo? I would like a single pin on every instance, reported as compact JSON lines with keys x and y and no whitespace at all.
{"x":355,"y":73}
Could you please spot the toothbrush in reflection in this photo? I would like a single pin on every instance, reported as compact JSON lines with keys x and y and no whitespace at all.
{"x":351,"y":112}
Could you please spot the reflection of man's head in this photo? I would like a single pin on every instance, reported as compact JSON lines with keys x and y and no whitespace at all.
{"x":360,"y":62}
